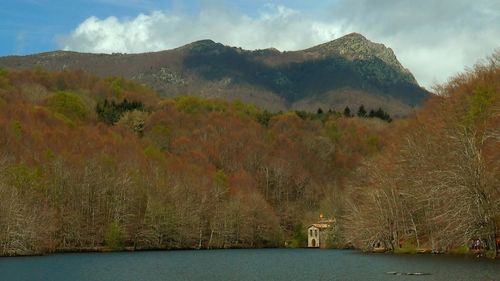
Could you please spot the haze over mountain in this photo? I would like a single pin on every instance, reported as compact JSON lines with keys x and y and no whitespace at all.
{"x":348,"y":71}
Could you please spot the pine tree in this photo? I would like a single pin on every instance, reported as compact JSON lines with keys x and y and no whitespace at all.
{"x":361,"y":111}
{"x":347,"y":112}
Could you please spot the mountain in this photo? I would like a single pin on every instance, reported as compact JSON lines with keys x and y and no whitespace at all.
{"x":348,"y":71}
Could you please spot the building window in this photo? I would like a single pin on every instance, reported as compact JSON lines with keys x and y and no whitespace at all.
{"x":316,"y":232}
{"x":310,"y":232}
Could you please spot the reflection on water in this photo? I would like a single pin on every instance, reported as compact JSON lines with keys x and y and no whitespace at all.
{"x":265,"y":264}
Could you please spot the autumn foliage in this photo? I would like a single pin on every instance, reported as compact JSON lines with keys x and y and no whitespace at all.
{"x":88,"y":163}
{"x":163,"y":173}
{"x":437,"y":186}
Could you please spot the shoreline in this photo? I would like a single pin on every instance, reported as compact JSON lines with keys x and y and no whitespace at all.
{"x":104,"y":250}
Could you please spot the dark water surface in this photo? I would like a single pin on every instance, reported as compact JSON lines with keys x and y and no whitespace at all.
{"x":266,"y":264}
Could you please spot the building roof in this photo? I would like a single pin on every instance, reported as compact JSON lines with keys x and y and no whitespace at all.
{"x":323,"y":224}
{"x":320,"y":225}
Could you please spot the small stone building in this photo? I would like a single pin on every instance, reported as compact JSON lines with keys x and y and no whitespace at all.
{"x":316,"y":233}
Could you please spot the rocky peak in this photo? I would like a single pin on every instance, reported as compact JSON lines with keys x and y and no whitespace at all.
{"x":354,"y":36}
{"x":203,"y":42}
{"x":202,"y":45}
{"x":355,"y":46}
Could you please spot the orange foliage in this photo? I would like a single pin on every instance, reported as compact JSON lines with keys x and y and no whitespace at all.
{"x":158,"y":184}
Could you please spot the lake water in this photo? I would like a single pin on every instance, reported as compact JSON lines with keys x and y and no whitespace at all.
{"x":238,"y":265}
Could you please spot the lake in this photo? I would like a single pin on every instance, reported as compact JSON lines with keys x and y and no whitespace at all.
{"x":238,"y":265}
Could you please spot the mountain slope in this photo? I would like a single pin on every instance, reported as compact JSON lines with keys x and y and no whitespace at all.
{"x":169,"y":173}
{"x":348,"y":71}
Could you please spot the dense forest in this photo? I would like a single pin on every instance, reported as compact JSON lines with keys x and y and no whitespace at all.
{"x":437,"y":184}
{"x":88,"y":162}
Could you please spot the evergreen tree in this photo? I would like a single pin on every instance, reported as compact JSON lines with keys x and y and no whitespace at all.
{"x":381,"y":114}
{"x":361,"y":111}
{"x":347,"y":112}
{"x":264,"y":117}
{"x":112,"y":112}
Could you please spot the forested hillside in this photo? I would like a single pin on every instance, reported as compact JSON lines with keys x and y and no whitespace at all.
{"x":90,"y":163}
{"x":87,"y":162}
{"x":437,"y":185}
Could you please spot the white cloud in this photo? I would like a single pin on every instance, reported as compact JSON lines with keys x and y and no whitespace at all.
{"x":275,"y":26}
{"x":434,"y":39}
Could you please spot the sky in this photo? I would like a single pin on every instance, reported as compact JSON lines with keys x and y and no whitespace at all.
{"x":433,"y":39}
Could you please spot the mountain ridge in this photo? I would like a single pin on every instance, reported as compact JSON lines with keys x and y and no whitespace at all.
{"x":348,"y":71}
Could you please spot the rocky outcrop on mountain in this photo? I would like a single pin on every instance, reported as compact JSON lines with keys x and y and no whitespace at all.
{"x":356,"y":47}
{"x":348,"y":71}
